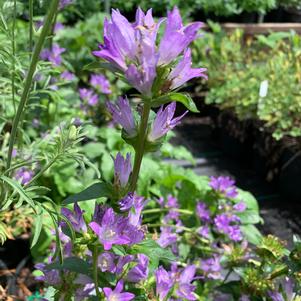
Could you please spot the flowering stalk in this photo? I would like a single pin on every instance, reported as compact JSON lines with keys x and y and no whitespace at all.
{"x":139,"y":151}
{"x":29,"y":77}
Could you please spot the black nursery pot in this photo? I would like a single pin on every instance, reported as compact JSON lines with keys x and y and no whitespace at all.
{"x":12,"y":252}
{"x":292,"y":15}
{"x":239,"y":148}
{"x":290,"y":176}
{"x":260,"y":155}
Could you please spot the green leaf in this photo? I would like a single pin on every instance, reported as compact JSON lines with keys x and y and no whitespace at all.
{"x":249,"y":217}
{"x":154,"y":252}
{"x":100,"y":65}
{"x":18,"y":188}
{"x":251,"y":234}
{"x":95,"y":191}
{"x":73,"y":264}
{"x":38,"y":229}
{"x":248,"y":199}
{"x":183,"y":98}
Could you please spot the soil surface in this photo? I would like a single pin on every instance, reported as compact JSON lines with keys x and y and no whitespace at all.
{"x":281,"y":218}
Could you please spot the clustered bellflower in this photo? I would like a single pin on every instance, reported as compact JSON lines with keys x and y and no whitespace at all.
{"x":133,"y":49}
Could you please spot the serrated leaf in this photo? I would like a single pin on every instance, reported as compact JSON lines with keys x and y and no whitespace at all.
{"x":17,"y":187}
{"x":94,"y":191}
{"x":183,"y":98}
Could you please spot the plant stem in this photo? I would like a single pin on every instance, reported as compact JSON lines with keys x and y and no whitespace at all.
{"x":41,"y":171}
{"x":95,"y":271}
{"x":157,"y":210}
{"x":14,"y":54}
{"x":29,"y":77}
{"x":30,"y":26}
{"x":171,"y":226}
{"x":139,"y":151}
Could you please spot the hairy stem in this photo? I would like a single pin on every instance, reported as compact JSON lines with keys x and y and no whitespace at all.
{"x":28,"y":81}
{"x":139,"y":151}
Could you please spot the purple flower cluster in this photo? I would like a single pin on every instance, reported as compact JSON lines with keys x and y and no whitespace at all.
{"x":132,"y":49}
{"x":101,"y":83}
{"x":169,"y":233}
{"x":115,"y":229}
{"x":122,"y":114}
{"x":122,"y":170}
{"x":88,"y":96}
{"x":53,"y":55}
{"x":180,"y":279}
{"x":224,"y":185}
{"x":164,"y":121}
{"x":24,"y":175}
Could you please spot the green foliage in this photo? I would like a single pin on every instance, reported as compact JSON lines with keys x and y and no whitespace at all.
{"x":274,"y":59}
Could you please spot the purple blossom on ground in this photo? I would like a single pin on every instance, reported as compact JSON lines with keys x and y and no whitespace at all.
{"x":164,"y":121}
{"x":100,"y":82}
{"x":116,"y":230}
{"x":164,"y":283}
{"x":122,"y":169}
{"x":88,"y":96}
{"x":176,"y":37}
{"x":53,"y":55}
{"x":75,"y":217}
{"x":211,"y":267}
{"x":140,"y":271}
{"x":67,"y":76}
{"x":183,"y":72}
{"x":122,"y":114}
{"x":106,"y":262}
{"x":203,"y":212}
{"x":224,"y":185}
{"x":117,"y":294}
{"x":24,"y":175}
